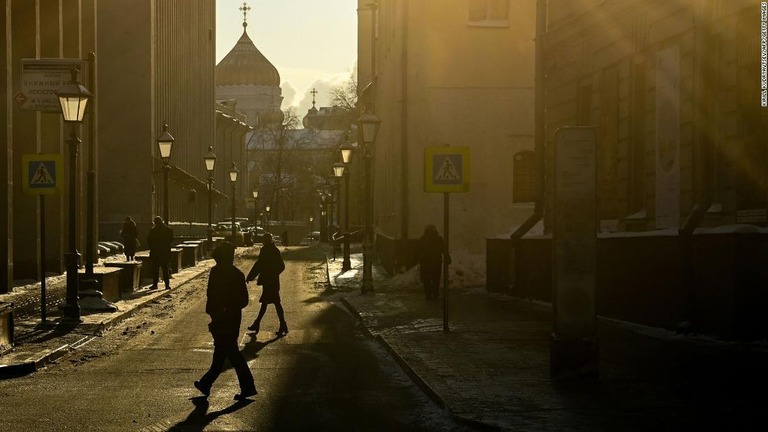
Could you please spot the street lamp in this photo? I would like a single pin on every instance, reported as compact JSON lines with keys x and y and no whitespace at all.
{"x":73,"y":99}
{"x":233,"y":172}
{"x":339,"y":170}
{"x":369,"y":127}
{"x":165,"y":144}
{"x":255,"y":193}
{"x":267,"y":224}
{"x":210,"y":163}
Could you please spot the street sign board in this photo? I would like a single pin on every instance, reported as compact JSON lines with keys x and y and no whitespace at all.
{"x":446,"y":169}
{"x":42,"y":173}
{"x":575,"y":231}
{"x":42,"y":78}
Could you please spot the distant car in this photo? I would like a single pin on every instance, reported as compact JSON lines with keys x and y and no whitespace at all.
{"x":224,"y":229}
{"x":257,"y":234}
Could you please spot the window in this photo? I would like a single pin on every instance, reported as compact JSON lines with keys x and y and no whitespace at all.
{"x":490,"y":13}
{"x":524,"y":177}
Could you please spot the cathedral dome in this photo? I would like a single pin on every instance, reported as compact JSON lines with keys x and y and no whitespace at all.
{"x":246,"y":65}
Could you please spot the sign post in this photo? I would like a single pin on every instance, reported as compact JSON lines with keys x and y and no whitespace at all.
{"x":574,"y":244}
{"x":42,"y":173}
{"x":446,"y":170}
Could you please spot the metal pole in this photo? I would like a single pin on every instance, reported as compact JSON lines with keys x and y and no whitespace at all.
{"x":43,"y":316}
{"x":210,"y":212}
{"x":166,"y":200}
{"x":346,"y":264}
{"x":367,"y":285}
{"x":233,"y":213}
{"x":71,"y":309}
{"x":446,"y":207}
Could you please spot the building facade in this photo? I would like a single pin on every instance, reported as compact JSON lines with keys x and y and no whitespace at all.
{"x":455,"y":73}
{"x":151,"y":66}
{"x":673,"y":89}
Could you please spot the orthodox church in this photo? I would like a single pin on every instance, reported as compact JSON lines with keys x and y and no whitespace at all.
{"x":245,"y":77}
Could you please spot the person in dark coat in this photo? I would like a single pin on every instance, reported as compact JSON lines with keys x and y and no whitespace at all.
{"x":227,"y":296}
{"x":159,"y":242}
{"x":267,"y":268}
{"x":130,"y":238}
{"x":431,"y":252}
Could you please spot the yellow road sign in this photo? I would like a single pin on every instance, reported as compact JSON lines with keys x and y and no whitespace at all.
{"x":42,"y":174}
{"x":446,"y":169}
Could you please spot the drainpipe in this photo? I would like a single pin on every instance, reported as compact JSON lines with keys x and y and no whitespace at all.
{"x":539,"y":125}
{"x":703,"y":132}
{"x":405,"y":210}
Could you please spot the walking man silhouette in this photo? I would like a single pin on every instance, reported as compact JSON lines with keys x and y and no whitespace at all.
{"x":227,"y":296}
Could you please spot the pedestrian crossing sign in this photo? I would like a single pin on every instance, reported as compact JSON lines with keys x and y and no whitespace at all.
{"x":42,"y":173}
{"x":446,"y":169}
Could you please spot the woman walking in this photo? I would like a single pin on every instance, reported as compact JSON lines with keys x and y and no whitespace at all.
{"x":130,"y":238}
{"x":431,"y":252}
{"x":267,"y":268}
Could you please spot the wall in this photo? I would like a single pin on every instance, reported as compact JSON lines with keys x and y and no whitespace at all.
{"x":441,"y":81}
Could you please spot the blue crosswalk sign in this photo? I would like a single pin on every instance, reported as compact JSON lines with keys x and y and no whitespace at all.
{"x":42,"y":173}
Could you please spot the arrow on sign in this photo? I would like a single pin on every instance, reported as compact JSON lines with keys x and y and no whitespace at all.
{"x":20,"y":98}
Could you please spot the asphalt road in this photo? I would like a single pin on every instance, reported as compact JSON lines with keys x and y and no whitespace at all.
{"x":324,"y":375}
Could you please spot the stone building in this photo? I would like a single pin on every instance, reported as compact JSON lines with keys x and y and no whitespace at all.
{"x":673,"y":92}
{"x":459,"y":76}
{"x":154,"y":64}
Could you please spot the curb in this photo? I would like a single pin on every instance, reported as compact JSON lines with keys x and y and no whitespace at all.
{"x":429,"y":391}
{"x":27,"y":367}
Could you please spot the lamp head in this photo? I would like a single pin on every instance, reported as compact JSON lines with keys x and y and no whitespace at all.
{"x":73,"y":99}
{"x":338,"y":169}
{"x":165,"y":143}
{"x":210,"y":160}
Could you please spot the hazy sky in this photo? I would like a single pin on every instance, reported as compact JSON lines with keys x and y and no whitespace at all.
{"x":312,"y":43}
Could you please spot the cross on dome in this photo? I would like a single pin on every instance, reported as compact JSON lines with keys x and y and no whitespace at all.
{"x":245,"y":8}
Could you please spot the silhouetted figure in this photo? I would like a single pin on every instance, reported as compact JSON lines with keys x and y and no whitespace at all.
{"x":130,"y":236}
{"x":268,"y":267}
{"x":159,"y":242}
{"x":227,"y":296}
{"x":284,"y":238}
{"x":336,"y":238}
{"x":431,"y":251}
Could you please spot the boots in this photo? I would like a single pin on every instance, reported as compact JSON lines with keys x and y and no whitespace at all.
{"x":283,"y":329}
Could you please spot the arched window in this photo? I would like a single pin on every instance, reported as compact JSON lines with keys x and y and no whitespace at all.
{"x":524,"y":177}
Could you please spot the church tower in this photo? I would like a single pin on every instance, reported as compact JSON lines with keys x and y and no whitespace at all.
{"x":245,"y":77}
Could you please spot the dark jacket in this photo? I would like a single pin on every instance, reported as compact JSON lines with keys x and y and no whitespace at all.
{"x":159,"y":241}
{"x":431,"y":251}
{"x":130,"y":237}
{"x":227,"y":296}
{"x":267,"y":268}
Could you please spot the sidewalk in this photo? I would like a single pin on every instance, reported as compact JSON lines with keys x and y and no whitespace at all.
{"x":37,"y":344}
{"x":492,"y":369}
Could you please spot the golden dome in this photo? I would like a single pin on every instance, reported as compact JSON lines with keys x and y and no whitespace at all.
{"x":246,"y":65}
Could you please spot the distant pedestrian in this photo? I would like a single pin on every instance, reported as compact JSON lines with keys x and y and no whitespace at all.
{"x":130,"y":236}
{"x":336,"y":238}
{"x":284,"y":236}
{"x":267,"y":268}
{"x":159,"y":242}
{"x":431,"y":253}
{"x":227,"y":296}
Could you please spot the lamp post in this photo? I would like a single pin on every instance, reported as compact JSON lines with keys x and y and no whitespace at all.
{"x":311,"y":226}
{"x":369,"y":127}
{"x":210,"y":163}
{"x":73,"y":99}
{"x":255,"y":193}
{"x":267,"y":224}
{"x":165,"y":143}
{"x":346,"y":154}
{"x":233,"y":172}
